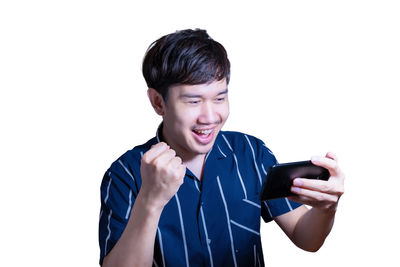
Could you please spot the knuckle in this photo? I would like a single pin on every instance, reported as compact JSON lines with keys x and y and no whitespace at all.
{"x":341,"y":190}
{"x":319,"y":197}
{"x":155,"y":162}
{"x":326,"y":187}
{"x":335,"y":166}
{"x":178,"y":180}
{"x":172,"y":153}
{"x":175,"y":162}
{"x":145,"y":159}
{"x":181,"y":173}
{"x":179,"y":160}
{"x":334,"y":200}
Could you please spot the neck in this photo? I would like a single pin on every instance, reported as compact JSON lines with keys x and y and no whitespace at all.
{"x":196,"y":166}
{"x":194,"y":162}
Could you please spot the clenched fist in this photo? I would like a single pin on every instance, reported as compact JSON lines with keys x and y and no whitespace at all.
{"x":162,"y":174}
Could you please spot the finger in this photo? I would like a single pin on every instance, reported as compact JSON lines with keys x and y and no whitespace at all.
{"x":164,"y":157}
{"x":175,"y":162}
{"x":332,"y":155}
{"x":182,"y":172}
{"x":327,"y":163}
{"x":313,"y":195}
{"x":155,"y":151}
{"x":328,"y":187}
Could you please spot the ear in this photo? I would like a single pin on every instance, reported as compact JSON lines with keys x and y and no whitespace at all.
{"x":157,"y":101}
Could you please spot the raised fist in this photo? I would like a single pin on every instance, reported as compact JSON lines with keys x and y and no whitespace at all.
{"x":162,"y":174}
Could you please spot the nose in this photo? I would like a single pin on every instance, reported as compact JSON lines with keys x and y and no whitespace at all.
{"x":208,"y":114}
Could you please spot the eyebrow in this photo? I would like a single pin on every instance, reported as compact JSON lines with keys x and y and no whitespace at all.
{"x":200,"y":96}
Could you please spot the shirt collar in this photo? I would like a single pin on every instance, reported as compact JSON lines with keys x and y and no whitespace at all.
{"x":220,"y":148}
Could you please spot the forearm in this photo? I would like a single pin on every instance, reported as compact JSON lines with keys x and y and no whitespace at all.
{"x":312,"y":229}
{"x":136,"y":244}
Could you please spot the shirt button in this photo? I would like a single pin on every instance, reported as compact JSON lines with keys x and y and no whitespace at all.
{"x":208,"y":241}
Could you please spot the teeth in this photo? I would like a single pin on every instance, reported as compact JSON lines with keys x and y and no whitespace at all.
{"x":203,"y":131}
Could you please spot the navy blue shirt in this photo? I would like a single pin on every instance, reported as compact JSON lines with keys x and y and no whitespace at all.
{"x":213,"y":222}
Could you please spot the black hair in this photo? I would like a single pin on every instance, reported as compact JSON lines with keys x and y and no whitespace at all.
{"x":184,"y":57}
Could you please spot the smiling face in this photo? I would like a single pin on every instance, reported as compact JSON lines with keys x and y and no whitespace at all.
{"x":192,"y":117}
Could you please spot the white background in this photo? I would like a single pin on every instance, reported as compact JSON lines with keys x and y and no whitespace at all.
{"x":307,"y":77}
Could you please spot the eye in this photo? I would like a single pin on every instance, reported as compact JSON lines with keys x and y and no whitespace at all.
{"x":194,"y":102}
{"x":220,"y":99}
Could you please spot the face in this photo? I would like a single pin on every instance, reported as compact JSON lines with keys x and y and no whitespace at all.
{"x":193,"y":115}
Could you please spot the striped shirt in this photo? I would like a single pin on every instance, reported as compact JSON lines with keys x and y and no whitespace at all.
{"x":215,"y":222}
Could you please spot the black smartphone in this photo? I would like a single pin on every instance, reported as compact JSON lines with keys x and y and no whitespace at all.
{"x":280,"y":178}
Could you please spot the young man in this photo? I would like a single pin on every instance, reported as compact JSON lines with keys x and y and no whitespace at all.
{"x":190,"y":195}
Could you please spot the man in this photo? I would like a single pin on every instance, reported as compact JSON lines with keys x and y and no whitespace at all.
{"x":190,"y":195}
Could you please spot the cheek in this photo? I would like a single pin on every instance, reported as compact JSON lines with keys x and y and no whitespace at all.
{"x":225,"y":112}
{"x":185,"y":116}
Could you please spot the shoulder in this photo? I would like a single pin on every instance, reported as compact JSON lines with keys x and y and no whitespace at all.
{"x":238,"y":140}
{"x":243,"y":144}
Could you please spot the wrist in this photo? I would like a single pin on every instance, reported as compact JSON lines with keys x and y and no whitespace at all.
{"x":148,"y":204}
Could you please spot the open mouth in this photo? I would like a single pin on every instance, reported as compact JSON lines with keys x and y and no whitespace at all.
{"x":203,"y":136}
{"x":203,"y":132}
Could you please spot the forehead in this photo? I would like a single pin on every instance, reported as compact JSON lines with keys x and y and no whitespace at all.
{"x":203,"y":90}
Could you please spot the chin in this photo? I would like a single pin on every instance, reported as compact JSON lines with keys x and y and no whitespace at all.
{"x":204,"y":149}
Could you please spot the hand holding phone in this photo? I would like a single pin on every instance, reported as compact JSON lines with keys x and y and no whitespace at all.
{"x":280,"y":178}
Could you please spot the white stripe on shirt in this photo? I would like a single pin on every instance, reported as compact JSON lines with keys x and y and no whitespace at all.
{"x":228,"y":221}
{"x":108,"y":188}
{"x":252,"y":203}
{"x":109,"y":233}
{"x":221,"y":151}
{"x":126,"y":169}
{"x":268,"y":149}
{"x":206,"y":233}
{"x":196,"y":184}
{"x":182,"y":228}
{"x":269,"y":211}
{"x":128,"y":211}
{"x":288,"y":203}
{"x":244,"y":227}
{"x":226,"y":141}
{"x":237,"y":168}
{"x":109,"y":215}
{"x":240,"y":176}
{"x":262,"y":167}
{"x":161,"y":245}
{"x":255,"y":256}
{"x":254,"y":159}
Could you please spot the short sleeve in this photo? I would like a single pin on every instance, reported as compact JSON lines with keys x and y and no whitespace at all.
{"x":119,"y":190}
{"x":272,"y":208}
